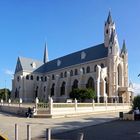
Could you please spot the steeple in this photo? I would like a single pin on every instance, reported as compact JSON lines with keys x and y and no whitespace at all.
{"x":124,"y":50}
{"x":45,"y":59}
{"x":109,"y":19}
{"x":109,"y":30}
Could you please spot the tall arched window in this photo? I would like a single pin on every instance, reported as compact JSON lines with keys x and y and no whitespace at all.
{"x":27,"y":77}
{"x":61,"y":74}
{"x":45,"y":78}
{"x":90,"y":83}
{"x":102,"y":65}
{"x":71,"y":73}
{"x":88,"y":69}
{"x":63,"y":89}
{"x":37,"y":78}
{"x":83,"y":69}
{"x":32,"y":77}
{"x":75,"y":84}
{"x":53,"y":77}
{"x":95,"y":68}
{"x":65,"y":74}
{"x":52,"y":89}
{"x":76,"y":72}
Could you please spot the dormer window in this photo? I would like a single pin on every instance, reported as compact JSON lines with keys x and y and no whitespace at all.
{"x":33,"y":65}
{"x":83,"y":55}
{"x":58,"y":62}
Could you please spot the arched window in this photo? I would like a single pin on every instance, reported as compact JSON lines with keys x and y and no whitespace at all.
{"x":52,"y":89}
{"x":27,"y":77}
{"x":76,"y":72}
{"x":44,"y":88}
{"x":90,"y":83}
{"x":53,"y":78}
{"x":63,"y":89}
{"x":106,"y":87}
{"x":45,"y":78}
{"x":65,"y":74}
{"x":42,"y":78}
{"x":71,"y":73}
{"x":75,"y":84}
{"x":95,"y":68}
{"x":61,"y":74}
{"x":102,"y":65}
{"x":32,"y":78}
{"x":37,"y":78}
{"x":88,"y":69}
{"x":18,"y":78}
{"x":83,"y":69}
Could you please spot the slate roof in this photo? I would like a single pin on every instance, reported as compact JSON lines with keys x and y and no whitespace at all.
{"x":92,"y":53}
{"x":25,"y":64}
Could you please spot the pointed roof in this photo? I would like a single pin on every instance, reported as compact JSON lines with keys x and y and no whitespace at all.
{"x":27,"y":64}
{"x":45,"y":58}
{"x":109,"y":19}
{"x":124,"y":50}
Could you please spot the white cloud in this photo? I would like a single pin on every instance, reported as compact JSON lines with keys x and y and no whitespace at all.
{"x":9,"y":72}
{"x":136,"y":87}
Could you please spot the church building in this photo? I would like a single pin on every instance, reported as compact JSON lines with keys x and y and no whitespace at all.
{"x":103,"y":67}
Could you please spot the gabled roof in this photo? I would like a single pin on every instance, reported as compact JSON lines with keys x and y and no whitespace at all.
{"x":27,"y":64}
{"x":92,"y":53}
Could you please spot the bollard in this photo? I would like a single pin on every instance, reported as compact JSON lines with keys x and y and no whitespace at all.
{"x":28,"y":132}
{"x":80,"y":136}
{"x":16,"y":132}
{"x":48,"y":134}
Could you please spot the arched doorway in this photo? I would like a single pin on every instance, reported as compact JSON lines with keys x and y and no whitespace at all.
{"x":75,"y":84}
{"x":90,"y":83}
{"x":62,"y":92}
{"x":52,"y":89}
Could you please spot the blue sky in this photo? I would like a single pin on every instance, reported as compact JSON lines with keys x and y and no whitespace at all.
{"x":67,"y":26}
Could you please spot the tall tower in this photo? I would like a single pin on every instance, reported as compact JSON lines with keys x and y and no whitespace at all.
{"x":45,"y":58}
{"x":109,"y":27}
{"x":111,"y":41}
{"x":124,"y":56}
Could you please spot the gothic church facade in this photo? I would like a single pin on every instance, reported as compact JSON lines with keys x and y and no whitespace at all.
{"x":103,"y":67}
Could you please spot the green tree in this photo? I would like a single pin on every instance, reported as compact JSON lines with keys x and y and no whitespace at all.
{"x":5,"y":93}
{"x":136,"y":102}
{"x":82,"y":94}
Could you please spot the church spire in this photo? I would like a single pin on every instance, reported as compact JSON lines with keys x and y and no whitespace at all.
{"x":124,"y":50}
{"x":45,"y":59}
{"x":109,"y":19}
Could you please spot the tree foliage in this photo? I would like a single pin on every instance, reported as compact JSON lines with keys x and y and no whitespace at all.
{"x":5,"y":93}
{"x":136,"y":102}
{"x":82,"y":94}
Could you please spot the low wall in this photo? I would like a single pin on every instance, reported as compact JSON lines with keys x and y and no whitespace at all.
{"x":71,"y":110}
{"x":14,"y":110}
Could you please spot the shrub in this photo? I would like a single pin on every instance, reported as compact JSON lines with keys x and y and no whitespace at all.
{"x":82,"y":94}
{"x":136,"y":102}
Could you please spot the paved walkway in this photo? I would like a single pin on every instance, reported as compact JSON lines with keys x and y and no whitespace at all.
{"x":115,"y":130}
{"x":38,"y":126}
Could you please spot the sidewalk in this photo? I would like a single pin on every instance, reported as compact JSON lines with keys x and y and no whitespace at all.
{"x":38,"y":126}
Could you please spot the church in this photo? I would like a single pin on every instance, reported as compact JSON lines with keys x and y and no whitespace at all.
{"x":103,"y":67}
